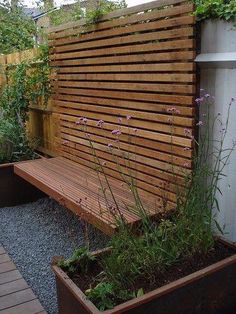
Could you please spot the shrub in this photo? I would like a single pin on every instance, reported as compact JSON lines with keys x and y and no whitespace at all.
{"x":215,"y":9}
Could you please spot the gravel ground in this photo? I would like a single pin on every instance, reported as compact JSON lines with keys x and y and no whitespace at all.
{"x":34,"y":233}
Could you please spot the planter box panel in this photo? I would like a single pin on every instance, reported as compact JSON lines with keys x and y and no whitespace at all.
{"x":14,"y":190}
{"x":211,"y":290}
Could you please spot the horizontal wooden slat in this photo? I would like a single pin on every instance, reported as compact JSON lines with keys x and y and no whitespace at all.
{"x":122,"y":94}
{"x":72,"y":101}
{"x":118,"y":13}
{"x":141,"y":77}
{"x":148,"y":67}
{"x":140,"y":58}
{"x":117,"y":41}
{"x":149,"y":47}
{"x":134,"y":86}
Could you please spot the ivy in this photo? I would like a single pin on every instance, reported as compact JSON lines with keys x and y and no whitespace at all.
{"x":215,"y":9}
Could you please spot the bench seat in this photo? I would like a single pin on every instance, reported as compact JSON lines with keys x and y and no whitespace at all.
{"x":77,"y":187}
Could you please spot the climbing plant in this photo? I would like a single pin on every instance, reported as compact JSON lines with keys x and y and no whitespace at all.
{"x":27,"y":83}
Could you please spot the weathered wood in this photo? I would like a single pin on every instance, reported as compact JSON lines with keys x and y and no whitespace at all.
{"x":16,"y":297}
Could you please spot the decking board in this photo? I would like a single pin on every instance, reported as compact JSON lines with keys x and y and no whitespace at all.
{"x":16,"y":297}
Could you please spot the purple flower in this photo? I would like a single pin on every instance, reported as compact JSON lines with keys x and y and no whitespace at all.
{"x":207,"y":95}
{"x":100,"y":123}
{"x":202,"y":89}
{"x":116,"y":132}
{"x":85,"y":120}
{"x":128,"y":117}
{"x":110,"y":145}
{"x":199,"y":123}
{"x":199,"y":100}
{"x":120,"y":120}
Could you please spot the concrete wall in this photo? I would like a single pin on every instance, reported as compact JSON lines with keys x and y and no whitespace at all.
{"x":217,"y":63}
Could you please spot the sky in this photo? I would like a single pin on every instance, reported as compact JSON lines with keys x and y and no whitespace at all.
{"x":130,"y":3}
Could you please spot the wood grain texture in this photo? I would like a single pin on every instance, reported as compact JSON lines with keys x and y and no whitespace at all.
{"x":16,"y":297}
{"x":136,"y":62}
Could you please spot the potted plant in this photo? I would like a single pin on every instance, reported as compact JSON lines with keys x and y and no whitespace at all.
{"x":174,"y":265}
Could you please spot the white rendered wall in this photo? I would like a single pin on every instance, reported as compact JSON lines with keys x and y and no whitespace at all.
{"x":218,"y":77}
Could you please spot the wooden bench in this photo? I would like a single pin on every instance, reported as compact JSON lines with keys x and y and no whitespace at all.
{"x":77,"y":187}
{"x":135,"y":71}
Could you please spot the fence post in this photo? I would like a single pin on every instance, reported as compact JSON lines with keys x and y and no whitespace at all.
{"x":217,"y":62}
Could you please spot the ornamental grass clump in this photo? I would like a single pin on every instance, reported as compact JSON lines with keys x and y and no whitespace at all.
{"x":138,"y":258}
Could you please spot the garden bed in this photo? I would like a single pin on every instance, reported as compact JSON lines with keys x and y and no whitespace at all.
{"x":198,"y":285}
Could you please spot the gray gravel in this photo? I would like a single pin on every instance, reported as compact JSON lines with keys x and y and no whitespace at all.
{"x":34,"y":233}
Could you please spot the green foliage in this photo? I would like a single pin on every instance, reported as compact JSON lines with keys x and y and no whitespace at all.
{"x":215,"y":9}
{"x":17,"y":31}
{"x":104,"y":7}
{"x":65,"y":15}
{"x":102,"y":295}
{"x":80,"y":260}
{"x":27,"y":83}
{"x":188,"y":233}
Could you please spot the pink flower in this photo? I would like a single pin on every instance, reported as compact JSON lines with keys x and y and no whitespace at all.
{"x":135,"y":130}
{"x":85,"y":120}
{"x":199,"y":123}
{"x":104,"y":163}
{"x":128,"y":117}
{"x":170,"y":120}
{"x":100,"y":123}
{"x":65,"y":142}
{"x":186,"y":164}
{"x":77,"y":122}
{"x":186,"y":148}
{"x":110,"y":145}
{"x":87,"y":135}
{"x":116,"y":132}
{"x":207,"y":95}
{"x":120,"y":120}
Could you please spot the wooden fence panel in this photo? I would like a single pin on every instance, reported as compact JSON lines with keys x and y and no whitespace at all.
{"x":135,"y":62}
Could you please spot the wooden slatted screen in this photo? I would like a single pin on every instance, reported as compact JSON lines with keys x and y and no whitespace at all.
{"x":139,"y":62}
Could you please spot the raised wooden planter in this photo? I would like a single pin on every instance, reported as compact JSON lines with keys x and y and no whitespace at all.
{"x":14,"y":190}
{"x":211,"y":290}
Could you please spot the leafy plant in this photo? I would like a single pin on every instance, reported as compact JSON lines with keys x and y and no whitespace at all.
{"x":27,"y":83}
{"x":17,"y":31}
{"x":80,"y":260}
{"x":102,"y":295}
{"x":213,"y":9}
{"x":103,"y":7}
